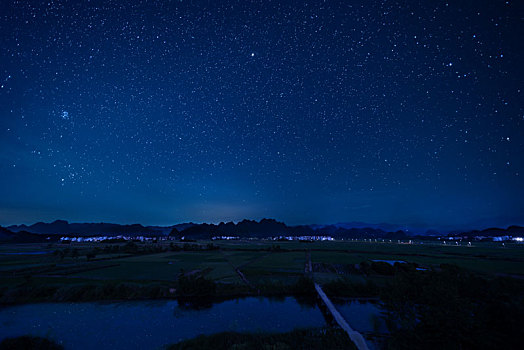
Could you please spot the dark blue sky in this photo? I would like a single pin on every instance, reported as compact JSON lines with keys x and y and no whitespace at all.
{"x":159,"y":112}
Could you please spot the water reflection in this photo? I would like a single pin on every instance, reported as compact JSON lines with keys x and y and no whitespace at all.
{"x":152,"y":324}
{"x":195,"y":304}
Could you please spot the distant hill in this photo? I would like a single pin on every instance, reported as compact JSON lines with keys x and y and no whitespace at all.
{"x":6,"y":236}
{"x":272,"y":228}
{"x":358,"y":224}
{"x":62,"y":227}
{"x":410,"y":229}
{"x":516,"y":231}
{"x":244,"y":229}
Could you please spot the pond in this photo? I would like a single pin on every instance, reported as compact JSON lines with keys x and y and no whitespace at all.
{"x":391,"y":262}
{"x":364,"y":316}
{"x":152,"y":324}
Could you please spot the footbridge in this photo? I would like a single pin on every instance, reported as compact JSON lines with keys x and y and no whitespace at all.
{"x":355,"y":336}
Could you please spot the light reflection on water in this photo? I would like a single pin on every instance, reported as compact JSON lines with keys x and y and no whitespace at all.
{"x":152,"y":324}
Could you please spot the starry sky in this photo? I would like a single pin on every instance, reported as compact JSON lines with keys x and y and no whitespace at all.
{"x":160,"y":112}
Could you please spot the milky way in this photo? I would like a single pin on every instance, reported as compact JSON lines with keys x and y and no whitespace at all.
{"x":319,"y":111}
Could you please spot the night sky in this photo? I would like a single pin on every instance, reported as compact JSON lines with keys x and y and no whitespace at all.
{"x":160,"y":112}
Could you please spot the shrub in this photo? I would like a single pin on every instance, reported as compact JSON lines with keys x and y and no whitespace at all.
{"x":193,"y":285}
{"x":304,"y":286}
{"x":320,"y":338}
{"x":382,"y":268}
{"x":27,"y":342}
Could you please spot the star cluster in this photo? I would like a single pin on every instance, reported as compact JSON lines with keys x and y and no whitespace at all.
{"x":314,"y":111}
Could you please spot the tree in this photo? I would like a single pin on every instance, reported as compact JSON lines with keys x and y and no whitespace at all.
{"x":59,"y":253}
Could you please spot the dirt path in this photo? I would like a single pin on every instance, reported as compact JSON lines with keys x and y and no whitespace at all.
{"x":308,"y":269}
{"x":355,"y":336}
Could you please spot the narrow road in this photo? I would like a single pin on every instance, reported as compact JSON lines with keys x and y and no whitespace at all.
{"x":308,"y":269}
{"x":355,"y":336}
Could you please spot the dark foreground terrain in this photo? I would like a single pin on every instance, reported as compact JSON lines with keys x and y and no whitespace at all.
{"x":433,"y":295}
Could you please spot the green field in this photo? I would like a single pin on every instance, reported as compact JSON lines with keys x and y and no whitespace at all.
{"x":165,"y":266}
{"x":238,"y":263}
{"x":284,"y":267}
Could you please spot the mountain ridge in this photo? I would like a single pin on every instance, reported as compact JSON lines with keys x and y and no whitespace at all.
{"x":245,"y":229}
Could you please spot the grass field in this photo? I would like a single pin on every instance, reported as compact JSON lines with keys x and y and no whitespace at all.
{"x":196,"y":273}
{"x":283,"y":267}
{"x":258,"y":262}
{"x":165,"y":266}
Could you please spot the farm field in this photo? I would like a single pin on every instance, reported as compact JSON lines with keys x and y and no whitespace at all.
{"x":239,"y":263}
{"x":165,"y":266}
